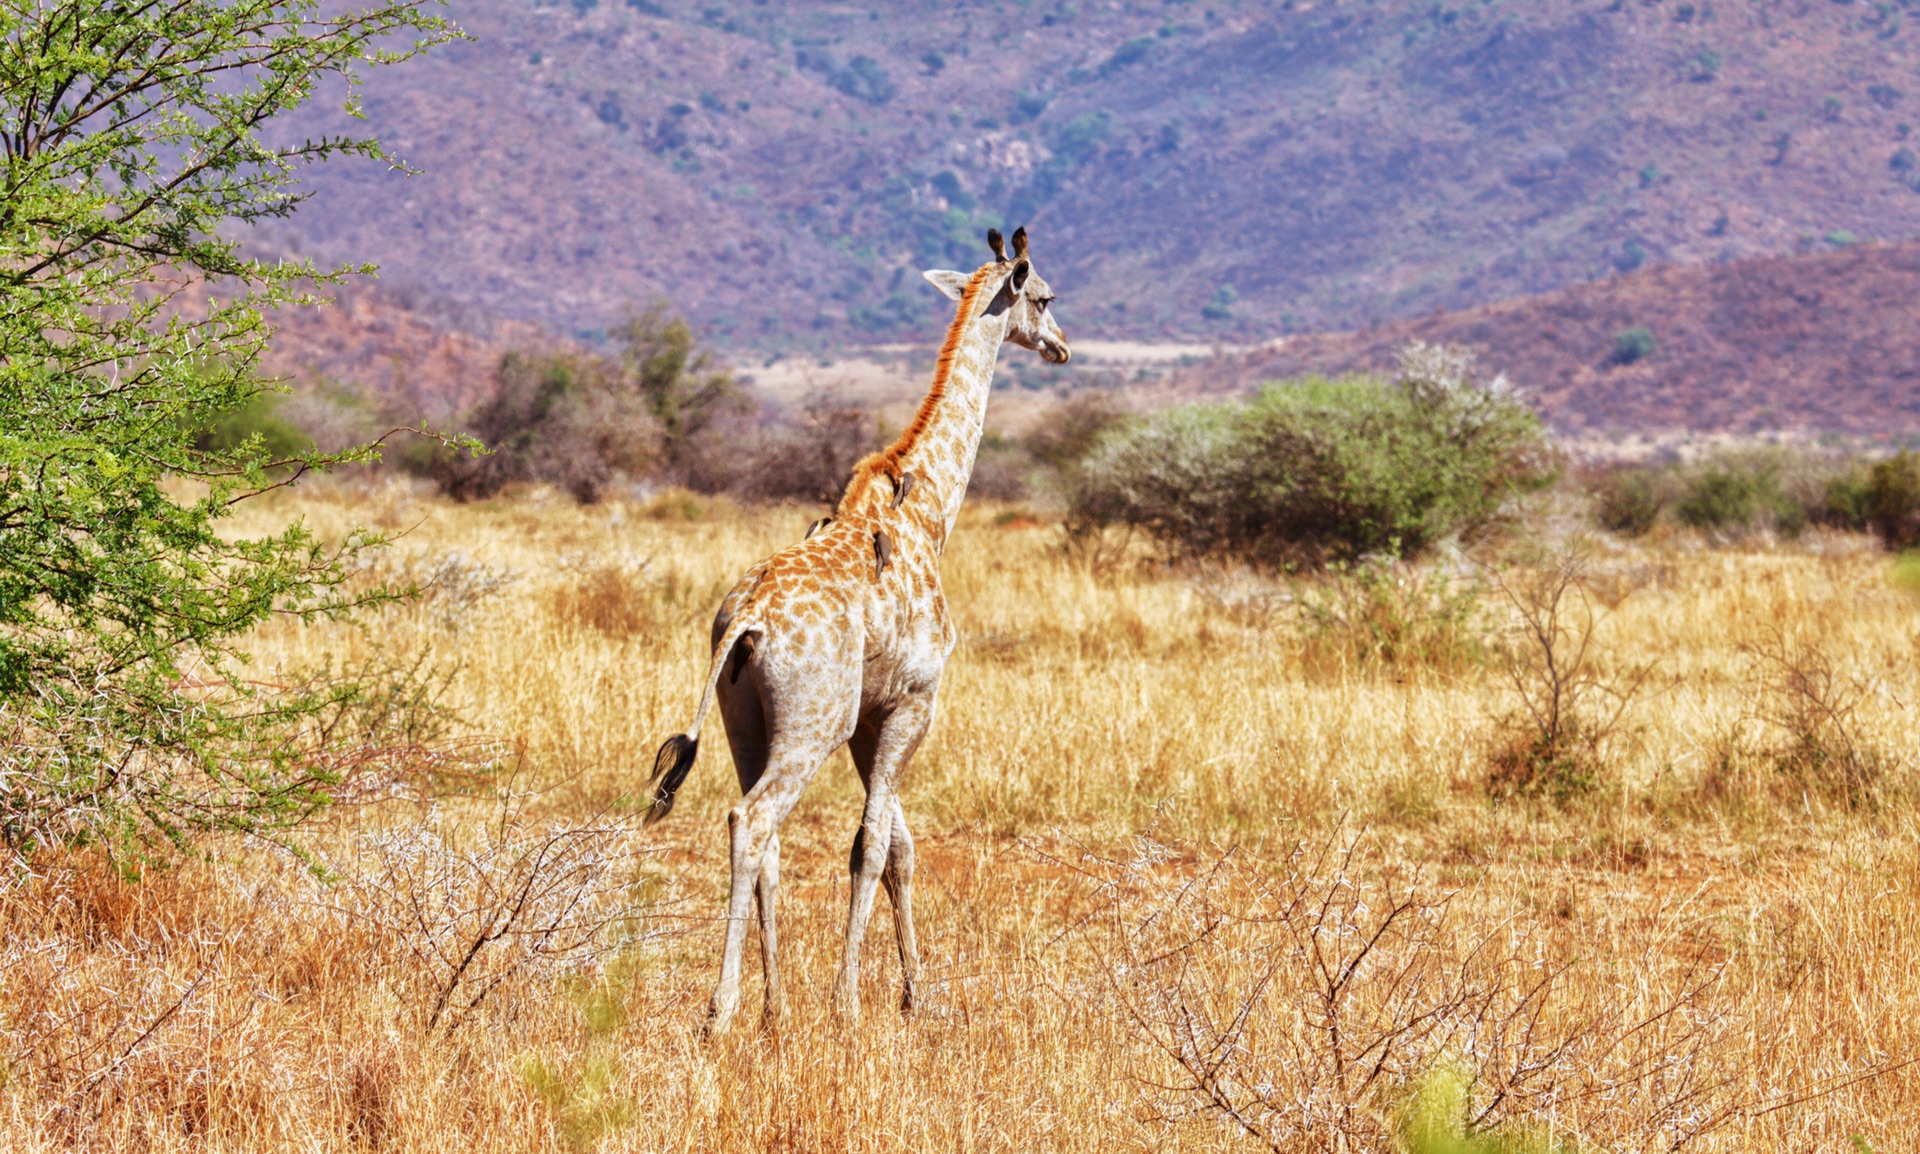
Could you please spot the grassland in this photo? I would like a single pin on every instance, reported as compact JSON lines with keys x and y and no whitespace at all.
{"x":1201,"y":867}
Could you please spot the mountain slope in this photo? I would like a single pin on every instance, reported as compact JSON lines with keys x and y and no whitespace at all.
{"x":780,"y":170}
{"x":1821,"y":343}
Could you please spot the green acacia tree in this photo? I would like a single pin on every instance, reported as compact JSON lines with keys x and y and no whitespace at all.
{"x":136,"y":144}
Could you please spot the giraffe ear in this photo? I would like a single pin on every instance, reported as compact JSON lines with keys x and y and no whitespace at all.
{"x":953,"y":284}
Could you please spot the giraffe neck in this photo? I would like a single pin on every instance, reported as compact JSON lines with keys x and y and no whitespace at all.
{"x":938,"y":447}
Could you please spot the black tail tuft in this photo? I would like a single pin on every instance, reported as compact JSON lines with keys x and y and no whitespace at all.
{"x":670,"y":767}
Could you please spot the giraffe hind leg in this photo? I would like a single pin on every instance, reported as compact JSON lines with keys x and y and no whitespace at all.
{"x":743,"y":713}
{"x":753,"y":832}
{"x":766,"y":891}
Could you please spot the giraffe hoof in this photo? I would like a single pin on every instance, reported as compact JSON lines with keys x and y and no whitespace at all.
{"x":715,"y":1025}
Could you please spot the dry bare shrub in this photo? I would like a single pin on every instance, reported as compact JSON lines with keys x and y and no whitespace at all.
{"x":807,"y":458}
{"x":452,"y":588}
{"x":103,"y":975}
{"x":514,"y":900}
{"x":1805,"y":736}
{"x":457,"y":586}
{"x":1002,"y":470}
{"x":1570,"y":697}
{"x":255,"y":1002}
{"x":1318,"y":1004}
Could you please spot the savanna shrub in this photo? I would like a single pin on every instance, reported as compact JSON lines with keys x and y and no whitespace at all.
{"x":1628,"y":499}
{"x":780,"y":456}
{"x":1634,"y":344}
{"x":1746,"y":490}
{"x":1883,"y":497}
{"x":1742,"y":491}
{"x":561,"y":418}
{"x":1068,"y":432}
{"x":579,"y":420}
{"x":1000,"y":469}
{"x":1062,"y":439}
{"x":1322,"y":469}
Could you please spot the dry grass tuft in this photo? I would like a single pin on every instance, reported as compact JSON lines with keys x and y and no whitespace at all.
{"x":1191,"y":877}
{"x":613,"y":600}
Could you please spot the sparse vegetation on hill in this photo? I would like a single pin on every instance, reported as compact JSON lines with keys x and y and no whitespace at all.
{"x":1821,"y":342}
{"x":781,"y":170}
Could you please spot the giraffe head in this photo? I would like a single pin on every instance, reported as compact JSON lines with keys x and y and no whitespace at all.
{"x":1020,"y":295}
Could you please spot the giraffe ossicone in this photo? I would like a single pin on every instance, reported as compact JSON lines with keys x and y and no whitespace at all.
{"x":842,"y":639}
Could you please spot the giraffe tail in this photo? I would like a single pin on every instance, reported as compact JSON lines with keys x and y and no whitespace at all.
{"x":674,"y":761}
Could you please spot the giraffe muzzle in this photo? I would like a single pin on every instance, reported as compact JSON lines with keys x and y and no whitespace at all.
{"x":1055,"y":352}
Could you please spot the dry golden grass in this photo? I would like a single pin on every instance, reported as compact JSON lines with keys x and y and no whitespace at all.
{"x":1159,"y":828}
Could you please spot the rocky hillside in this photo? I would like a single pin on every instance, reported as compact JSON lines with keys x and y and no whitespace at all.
{"x":1213,"y":169}
{"x":1822,"y":343}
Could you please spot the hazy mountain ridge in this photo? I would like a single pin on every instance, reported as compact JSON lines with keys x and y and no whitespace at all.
{"x":779,"y":171}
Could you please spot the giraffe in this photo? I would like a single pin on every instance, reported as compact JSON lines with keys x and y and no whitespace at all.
{"x":842,"y":638}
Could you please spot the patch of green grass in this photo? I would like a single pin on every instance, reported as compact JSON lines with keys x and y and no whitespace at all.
{"x":1434,"y":1119}
{"x":1905,"y":572}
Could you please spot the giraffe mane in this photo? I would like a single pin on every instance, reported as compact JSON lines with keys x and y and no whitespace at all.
{"x":886,"y":462}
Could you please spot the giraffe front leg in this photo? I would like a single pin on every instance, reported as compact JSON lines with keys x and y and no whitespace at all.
{"x":886,"y":749}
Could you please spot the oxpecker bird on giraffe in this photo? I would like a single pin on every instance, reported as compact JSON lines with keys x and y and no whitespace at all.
{"x":843,"y":637}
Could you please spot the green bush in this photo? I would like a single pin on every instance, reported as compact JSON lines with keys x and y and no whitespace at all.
{"x":1847,"y":502}
{"x":1882,"y":498}
{"x":1322,"y":469}
{"x":1894,"y":511}
{"x":1743,"y":491}
{"x":1634,"y":344}
{"x":260,"y":417}
{"x":1628,"y":499}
